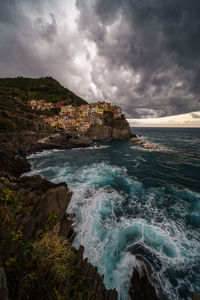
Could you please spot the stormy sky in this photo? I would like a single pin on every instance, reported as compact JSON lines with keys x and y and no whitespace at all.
{"x":143,"y":55}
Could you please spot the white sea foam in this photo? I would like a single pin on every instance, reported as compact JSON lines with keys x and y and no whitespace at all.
{"x":111,"y":223}
{"x":104,"y":236}
{"x":44,"y":153}
{"x":94,"y":147}
{"x":139,"y":148}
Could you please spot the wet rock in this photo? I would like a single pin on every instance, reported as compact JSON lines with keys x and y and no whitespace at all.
{"x":61,"y":141}
{"x":141,"y":287}
{"x":93,"y":280}
{"x":145,"y":144}
{"x":195,"y":296}
{"x":3,"y":282}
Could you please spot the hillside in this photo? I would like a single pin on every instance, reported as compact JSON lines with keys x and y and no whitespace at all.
{"x":45,"y":88}
{"x":17,"y":116}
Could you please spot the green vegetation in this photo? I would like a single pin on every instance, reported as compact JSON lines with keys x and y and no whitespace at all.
{"x":17,"y":116}
{"x":43,"y":266}
{"x":45,"y":88}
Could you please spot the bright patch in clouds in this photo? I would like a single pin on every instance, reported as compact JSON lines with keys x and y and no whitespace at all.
{"x":184,"y":120}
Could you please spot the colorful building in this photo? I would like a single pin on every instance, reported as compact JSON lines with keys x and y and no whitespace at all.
{"x":76,"y":118}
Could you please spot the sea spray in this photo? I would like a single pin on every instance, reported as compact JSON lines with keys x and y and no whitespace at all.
{"x":131,"y":206}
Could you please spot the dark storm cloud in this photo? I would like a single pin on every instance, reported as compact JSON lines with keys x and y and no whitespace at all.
{"x":141,"y":54}
{"x":159,"y":40}
{"x":35,"y":40}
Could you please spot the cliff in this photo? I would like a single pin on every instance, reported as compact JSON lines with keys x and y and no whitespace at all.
{"x":110,"y":129}
{"x":36,"y":252}
{"x":38,"y":260}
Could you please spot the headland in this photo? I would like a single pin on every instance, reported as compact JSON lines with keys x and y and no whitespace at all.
{"x":37,"y":256}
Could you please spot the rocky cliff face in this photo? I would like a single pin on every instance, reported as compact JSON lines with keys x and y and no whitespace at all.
{"x":36,"y":221}
{"x":111,"y":129}
{"x":36,"y":236}
{"x":141,"y":287}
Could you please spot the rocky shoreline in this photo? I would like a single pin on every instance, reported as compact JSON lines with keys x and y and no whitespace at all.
{"x":53,"y":198}
{"x":44,"y":198}
{"x":144,"y":144}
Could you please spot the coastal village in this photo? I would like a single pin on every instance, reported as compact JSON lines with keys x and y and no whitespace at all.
{"x":75,"y":118}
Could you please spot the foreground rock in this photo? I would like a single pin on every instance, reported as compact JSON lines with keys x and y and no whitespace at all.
{"x":61,"y":141}
{"x":195,"y":296}
{"x":42,"y":207}
{"x":145,"y":144}
{"x":141,"y":287}
{"x":3,"y":282}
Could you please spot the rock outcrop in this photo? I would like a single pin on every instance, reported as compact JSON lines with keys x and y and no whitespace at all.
{"x":195,"y":296}
{"x":61,"y":141}
{"x":111,"y":129}
{"x":3,"y":282}
{"x":141,"y":287}
{"x":45,"y":208}
{"x":145,"y":144}
{"x":100,"y":132}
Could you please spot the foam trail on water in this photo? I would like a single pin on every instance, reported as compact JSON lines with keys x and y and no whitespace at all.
{"x":119,"y":221}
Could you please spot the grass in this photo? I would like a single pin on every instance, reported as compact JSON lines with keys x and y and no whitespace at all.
{"x":42,"y":267}
{"x":45,"y":88}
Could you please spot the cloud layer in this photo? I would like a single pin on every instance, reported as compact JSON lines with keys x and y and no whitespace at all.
{"x":141,"y":54}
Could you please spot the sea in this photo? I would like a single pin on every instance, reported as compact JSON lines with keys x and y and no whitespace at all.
{"x":133,"y":205}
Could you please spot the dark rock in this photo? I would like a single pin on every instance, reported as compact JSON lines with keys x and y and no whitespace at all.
{"x":43,"y":198}
{"x":145,"y":144}
{"x":15,"y":165}
{"x":3,"y":282}
{"x":66,"y":227}
{"x":141,"y":287}
{"x":116,"y":130}
{"x":195,"y":296}
{"x":37,"y":184}
{"x":61,"y":141}
{"x":121,"y":133}
{"x":100,"y":132}
{"x":82,"y":141}
{"x":146,"y":256}
{"x":55,"y":198}
{"x":93,"y":280}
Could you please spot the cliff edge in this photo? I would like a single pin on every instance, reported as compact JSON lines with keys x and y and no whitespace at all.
{"x":110,"y":128}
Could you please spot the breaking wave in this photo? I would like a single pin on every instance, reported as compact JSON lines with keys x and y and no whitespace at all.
{"x":121,"y":218}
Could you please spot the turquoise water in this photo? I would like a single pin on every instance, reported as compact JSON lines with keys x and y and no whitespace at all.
{"x":133,"y":204}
